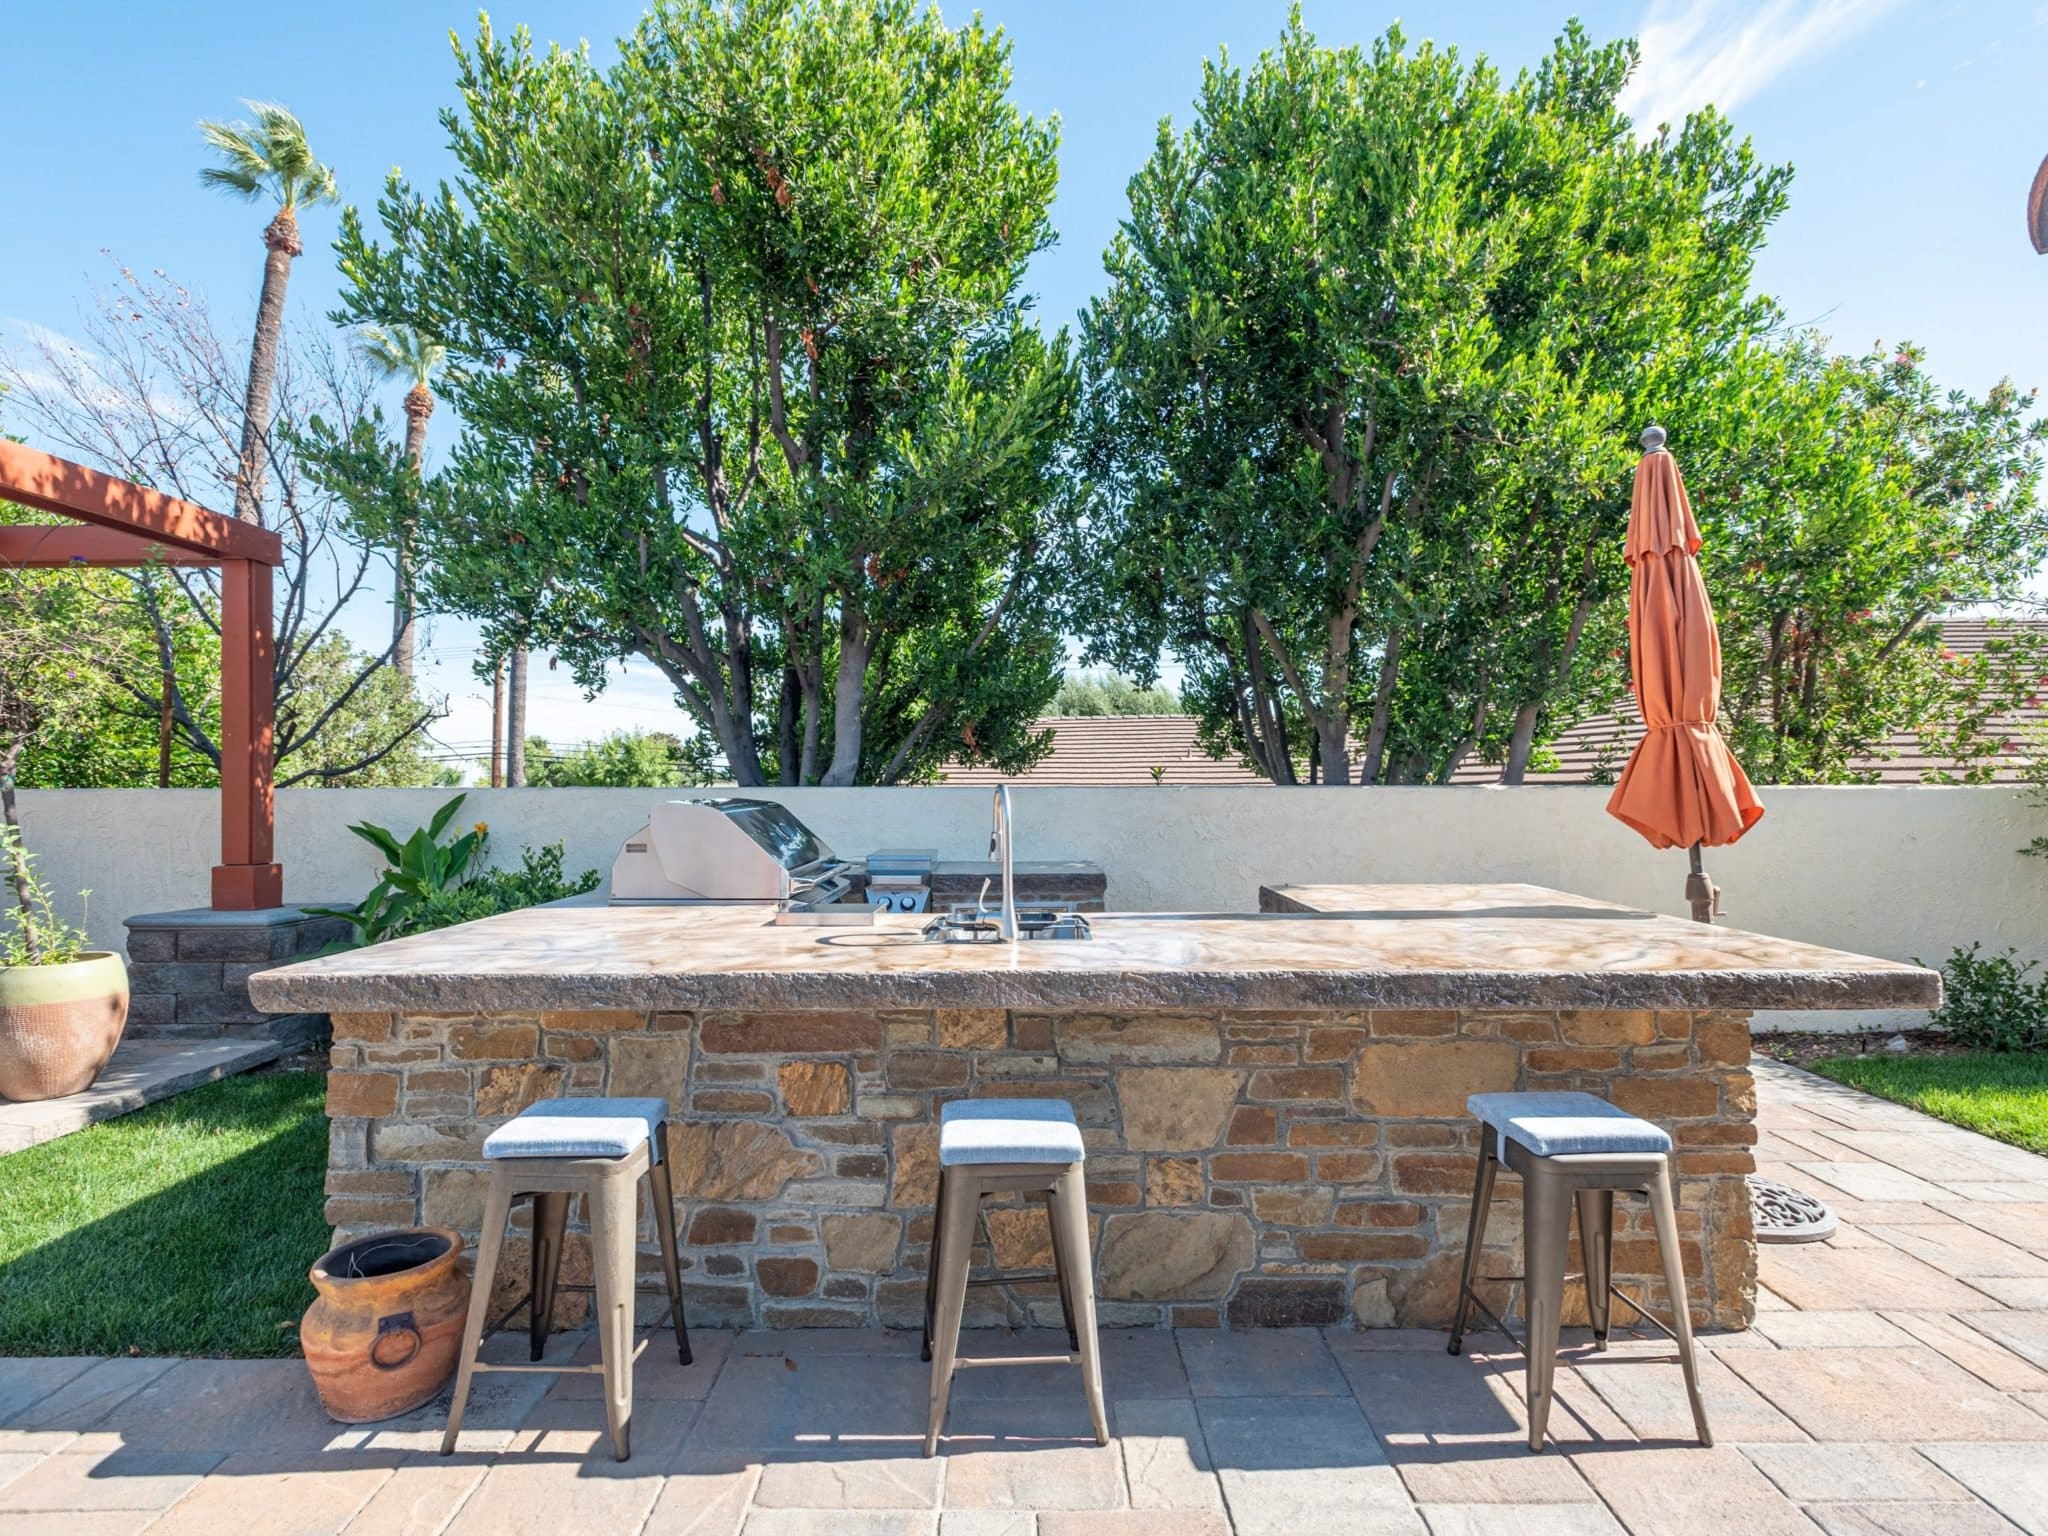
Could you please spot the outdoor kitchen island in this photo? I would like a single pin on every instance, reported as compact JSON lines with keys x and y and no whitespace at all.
{"x":1273,"y":1102}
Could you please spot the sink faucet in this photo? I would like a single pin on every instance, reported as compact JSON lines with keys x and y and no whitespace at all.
{"x":999,"y":850}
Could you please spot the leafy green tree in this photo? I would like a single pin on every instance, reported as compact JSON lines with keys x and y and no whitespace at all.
{"x":58,"y":633}
{"x":1360,"y":393}
{"x":748,"y":383}
{"x":621,"y":760}
{"x":1845,"y":503}
{"x":154,"y":397}
{"x":267,"y":158}
{"x":1111,"y":693}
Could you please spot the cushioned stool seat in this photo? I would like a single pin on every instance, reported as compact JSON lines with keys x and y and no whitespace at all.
{"x":556,"y":1152}
{"x":1560,"y":1124}
{"x":1008,"y":1131}
{"x":580,"y":1128}
{"x":1003,"y":1147}
{"x":1572,"y":1151}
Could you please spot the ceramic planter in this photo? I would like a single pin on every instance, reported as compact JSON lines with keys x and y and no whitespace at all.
{"x":59,"y":1024}
{"x":381,"y":1337}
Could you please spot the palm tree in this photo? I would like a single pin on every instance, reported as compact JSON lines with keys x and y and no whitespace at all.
{"x":400,"y":352}
{"x":269,"y":156}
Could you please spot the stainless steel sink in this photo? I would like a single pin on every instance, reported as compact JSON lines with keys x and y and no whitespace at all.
{"x":978,"y":925}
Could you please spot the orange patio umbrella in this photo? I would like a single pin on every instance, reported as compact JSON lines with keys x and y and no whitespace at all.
{"x":1682,"y":787}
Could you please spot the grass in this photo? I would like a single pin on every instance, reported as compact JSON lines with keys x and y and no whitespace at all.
{"x":2001,"y":1094}
{"x":186,"y":1228}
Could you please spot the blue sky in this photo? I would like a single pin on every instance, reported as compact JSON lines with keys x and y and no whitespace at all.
{"x":1914,"y":126}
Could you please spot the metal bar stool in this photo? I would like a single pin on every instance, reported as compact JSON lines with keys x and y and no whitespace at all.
{"x":1572,"y":1148}
{"x":994,"y":1146}
{"x":601,"y":1149}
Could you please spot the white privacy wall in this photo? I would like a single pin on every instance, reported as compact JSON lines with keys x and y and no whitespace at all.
{"x":1896,"y":872}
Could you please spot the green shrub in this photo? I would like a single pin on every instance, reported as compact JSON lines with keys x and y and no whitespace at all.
{"x":538,"y":879}
{"x":1992,"y":1002}
{"x":431,"y":884}
{"x":31,"y":932}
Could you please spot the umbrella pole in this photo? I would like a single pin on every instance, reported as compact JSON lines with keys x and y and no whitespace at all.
{"x":1704,"y":895}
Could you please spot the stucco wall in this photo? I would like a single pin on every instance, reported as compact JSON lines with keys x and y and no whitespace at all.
{"x":1896,"y":872}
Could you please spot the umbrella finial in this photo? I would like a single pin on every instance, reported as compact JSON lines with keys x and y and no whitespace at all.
{"x":1653,"y":439}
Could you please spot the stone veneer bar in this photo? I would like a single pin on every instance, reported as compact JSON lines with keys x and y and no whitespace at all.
{"x":1274,"y":1105}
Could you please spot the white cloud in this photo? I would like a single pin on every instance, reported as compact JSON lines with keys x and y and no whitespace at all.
{"x":1724,"y":52}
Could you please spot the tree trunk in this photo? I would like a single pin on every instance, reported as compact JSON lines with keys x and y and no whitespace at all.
{"x":498,"y":726}
{"x":166,"y":700}
{"x":1272,"y":715}
{"x":17,"y":850}
{"x":281,"y":241}
{"x":419,"y":405}
{"x":787,"y":708}
{"x":814,"y":697}
{"x":1521,"y":743}
{"x":1382,"y":710}
{"x":855,"y":647}
{"x":515,"y":720}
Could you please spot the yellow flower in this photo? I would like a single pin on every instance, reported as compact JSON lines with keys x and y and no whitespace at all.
{"x":482,"y":829}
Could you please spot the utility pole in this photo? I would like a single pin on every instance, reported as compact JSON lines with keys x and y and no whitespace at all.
{"x":515,"y":722}
{"x":498,"y":726}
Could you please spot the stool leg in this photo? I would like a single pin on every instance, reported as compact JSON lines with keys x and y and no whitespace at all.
{"x":490,"y":1239}
{"x":1062,"y":1269}
{"x":1596,"y":1243}
{"x":550,"y":1219}
{"x":1070,"y":1214}
{"x":1475,"y":1236}
{"x":959,"y":1202}
{"x":663,"y":1193}
{"x":611,"y":1201}
{"x":1662,"y":1208}
{"x":931,"y":1269}
{"x":1546,"y":1229}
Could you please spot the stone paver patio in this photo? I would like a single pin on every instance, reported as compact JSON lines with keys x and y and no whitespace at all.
{"x":1896,"y":1383}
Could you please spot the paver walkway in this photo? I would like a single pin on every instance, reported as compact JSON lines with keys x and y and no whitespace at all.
{"x":140,"y":1073}
{"x":1896,"y":1383}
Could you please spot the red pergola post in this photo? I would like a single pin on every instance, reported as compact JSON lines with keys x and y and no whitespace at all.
{"x":130,"y":524}
{"x":246,"y":879}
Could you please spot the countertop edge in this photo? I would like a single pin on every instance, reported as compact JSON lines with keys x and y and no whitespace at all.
{"x":279,"y":991}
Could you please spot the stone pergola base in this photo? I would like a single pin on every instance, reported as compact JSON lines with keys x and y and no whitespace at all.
{"x":188,"y":972}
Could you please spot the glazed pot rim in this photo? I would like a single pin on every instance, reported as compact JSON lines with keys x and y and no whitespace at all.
{"x":450,"y":1253}
{"x":93,"y":975}
{"x":83,"y":957}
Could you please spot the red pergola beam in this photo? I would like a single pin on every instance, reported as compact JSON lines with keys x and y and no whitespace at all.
{"x":37,"y":546}
{"x":129,"y":524}
{"x":51,"y":484}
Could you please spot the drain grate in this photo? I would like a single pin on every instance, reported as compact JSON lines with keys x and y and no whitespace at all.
{"x":1788,"y":1215}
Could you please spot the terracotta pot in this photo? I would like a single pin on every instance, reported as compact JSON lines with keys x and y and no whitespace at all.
{"x":382,"y":1336}
{"x":59,"y":1024}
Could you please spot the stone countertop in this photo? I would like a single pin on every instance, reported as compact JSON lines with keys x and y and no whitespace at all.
{"x":1340,"y":947}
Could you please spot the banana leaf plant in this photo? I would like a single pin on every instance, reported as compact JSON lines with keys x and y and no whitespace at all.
{"x":418,"y":869}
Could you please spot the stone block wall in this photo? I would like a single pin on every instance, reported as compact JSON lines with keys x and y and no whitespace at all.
{"x":1245,"y":1169}
{"x":188,"y":971}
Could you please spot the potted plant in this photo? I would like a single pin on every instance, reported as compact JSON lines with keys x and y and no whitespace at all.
{"x":62,"y":1004}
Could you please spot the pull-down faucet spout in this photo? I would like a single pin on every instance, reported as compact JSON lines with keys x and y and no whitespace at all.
{"x":999,"y":850}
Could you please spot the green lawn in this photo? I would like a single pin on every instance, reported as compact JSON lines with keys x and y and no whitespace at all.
{"x":186,"y":1228}
{"x":1999,"y":1093}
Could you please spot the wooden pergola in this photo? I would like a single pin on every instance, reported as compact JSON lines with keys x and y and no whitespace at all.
{"x":119,"y":523}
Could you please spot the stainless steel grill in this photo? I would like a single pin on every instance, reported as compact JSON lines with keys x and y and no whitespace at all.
{"x":727,"y":849}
